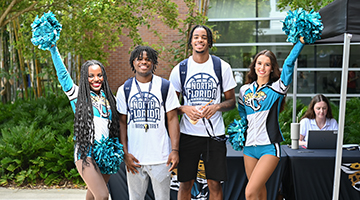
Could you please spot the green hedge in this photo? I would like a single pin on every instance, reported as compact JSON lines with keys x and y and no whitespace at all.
{"x":36,"y":142}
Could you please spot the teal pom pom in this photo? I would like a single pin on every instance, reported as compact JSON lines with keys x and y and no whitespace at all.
{"x":300,"y":23}
{"x":236,"y":131}
{"x":108,"y":155}
{"x":45,"y":31}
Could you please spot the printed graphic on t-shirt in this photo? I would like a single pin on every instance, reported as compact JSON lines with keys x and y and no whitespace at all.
{"x":253,"y":100}
{"x":141,"y":115}
{"x":200,"y":88}
{"x":102,"y":105}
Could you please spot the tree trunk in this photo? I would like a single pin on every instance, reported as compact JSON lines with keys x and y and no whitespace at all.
{"x":31,"y":79}
{"x":21,"y":58}
{"x":38,"y":80}
{"x":2,"y":63}
{"x":78,"y":71}
{"x":191,"y":11}
{"x":12,"y":61}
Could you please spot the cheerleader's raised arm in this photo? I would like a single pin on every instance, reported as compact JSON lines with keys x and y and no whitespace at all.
{"x":289,"y":63}
{"x":63,"y":75}
{"x":46,"y":32}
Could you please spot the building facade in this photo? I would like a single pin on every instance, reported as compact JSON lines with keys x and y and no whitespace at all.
{"x":118,"y":68}
{"x":246,"y":27}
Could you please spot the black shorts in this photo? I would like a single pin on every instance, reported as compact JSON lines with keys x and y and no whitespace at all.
{"x":212,"y":152}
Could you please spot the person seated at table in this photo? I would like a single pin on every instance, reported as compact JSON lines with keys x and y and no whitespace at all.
{"x":317,"y":117}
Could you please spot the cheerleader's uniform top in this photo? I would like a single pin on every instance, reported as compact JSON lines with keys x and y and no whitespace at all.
{"x":101,"y":106}
{"x":261,"y":106}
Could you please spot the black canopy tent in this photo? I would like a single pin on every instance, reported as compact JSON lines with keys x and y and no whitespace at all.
{"x":341,"y":20}
{"x":339,"y":17}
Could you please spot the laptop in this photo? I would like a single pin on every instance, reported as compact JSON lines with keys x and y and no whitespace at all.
{"x":322,"y":139}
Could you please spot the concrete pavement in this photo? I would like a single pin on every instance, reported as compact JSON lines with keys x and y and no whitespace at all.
{"x":42,"y":194}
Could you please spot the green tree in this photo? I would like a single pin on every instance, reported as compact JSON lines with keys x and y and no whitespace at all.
{"x":89,"y":28}
{"x":178,"y":50}
{"x":305,"y":4}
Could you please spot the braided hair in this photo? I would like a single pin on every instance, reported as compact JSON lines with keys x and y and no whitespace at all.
{"x":84,"y":117}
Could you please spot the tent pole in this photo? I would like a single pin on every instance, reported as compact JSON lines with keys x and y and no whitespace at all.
{"x":342,"y":107}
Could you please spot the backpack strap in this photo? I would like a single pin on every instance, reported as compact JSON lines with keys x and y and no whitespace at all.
{"x":165,"y":84}
{"x":217,"y":68}
{"x":127,"y":89}
{"x":183,"y":72}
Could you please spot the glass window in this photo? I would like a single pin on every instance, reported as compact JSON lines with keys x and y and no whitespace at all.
{"x":237,"y":57}
{"x":235,"y":32}
{"x":232,"y":9}
{"x":241,"y":9}
{"x":305,"y":82}
{"x":314,"y":82}
{"x":329,"y":56}
{"x":319,"y":66}
{"x":264,"y":8}
{"x":329,"y":81}
{"x":245,"y":31}
{"x":354,"y":61}
{"x":241,"y":56}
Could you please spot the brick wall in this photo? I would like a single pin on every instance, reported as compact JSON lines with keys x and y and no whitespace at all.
{"x":118,"y":69}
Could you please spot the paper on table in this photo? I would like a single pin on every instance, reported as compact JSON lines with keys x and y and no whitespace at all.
{"x":350,"y":145}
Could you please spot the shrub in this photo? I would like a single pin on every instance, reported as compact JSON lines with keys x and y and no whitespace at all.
{"x":352,"y":122}
{"x":36,"y":141}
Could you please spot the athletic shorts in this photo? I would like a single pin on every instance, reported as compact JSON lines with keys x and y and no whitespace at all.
{"x":257,"y":151}
{"x":212,"y":152}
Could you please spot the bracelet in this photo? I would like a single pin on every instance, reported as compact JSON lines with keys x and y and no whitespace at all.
{"x":175,"y":150}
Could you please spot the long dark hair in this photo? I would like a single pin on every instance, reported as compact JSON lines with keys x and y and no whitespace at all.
{"x":84,"y":129}
{"x":310,"y":114}
{"x":274,"y":75}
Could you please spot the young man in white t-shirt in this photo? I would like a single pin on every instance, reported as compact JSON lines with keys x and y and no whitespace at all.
{"x":150,"y":149}
{"x":202,"y":127}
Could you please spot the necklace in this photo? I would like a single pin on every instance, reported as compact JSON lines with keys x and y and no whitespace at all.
{"x":145,"y":100}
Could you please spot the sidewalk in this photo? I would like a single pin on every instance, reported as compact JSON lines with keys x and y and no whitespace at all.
{"x":42,"y":194}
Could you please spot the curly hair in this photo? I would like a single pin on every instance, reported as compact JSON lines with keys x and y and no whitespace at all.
{"x":84,"y":129}
{"x":208,"y":33}
{"x":152,"y":55}
{"x":274,"y":75}
{"x":310,"y":114}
